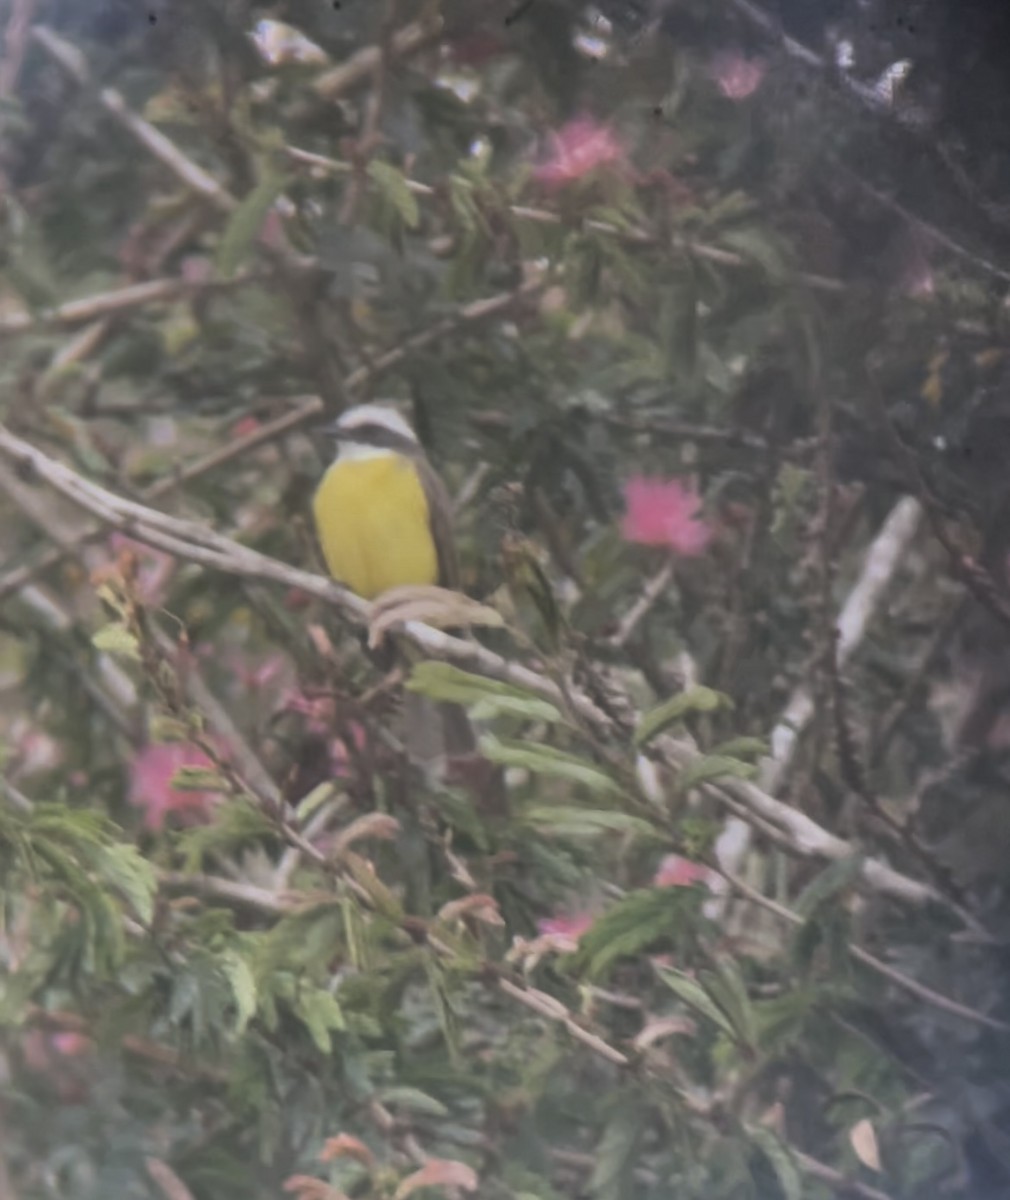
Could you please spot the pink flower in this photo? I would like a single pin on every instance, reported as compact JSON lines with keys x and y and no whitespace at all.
{"x":664,"y":513}
{"x":51,"y":1057}
{"x":566,"y":928}
{"x":195,"y":268}
{"x":71,"y":1044}
{"x":675,"y":871}
{"x":245,"y":426}
{"x":737,"y":76}
{"x":577,"y":148}
{"x":319,"y":711}
{"x":340,"y":759}
{"x":151,"y":774}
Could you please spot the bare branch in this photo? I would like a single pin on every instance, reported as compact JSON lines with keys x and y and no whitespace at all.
{"x":118,"y":300}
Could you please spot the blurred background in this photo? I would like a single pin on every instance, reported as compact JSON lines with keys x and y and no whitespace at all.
{"x":700,"y":308}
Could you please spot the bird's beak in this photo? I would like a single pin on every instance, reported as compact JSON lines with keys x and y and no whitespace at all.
{"x":331,"y":429}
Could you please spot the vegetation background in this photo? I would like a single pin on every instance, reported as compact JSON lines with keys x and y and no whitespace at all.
{"x":701,"y":309}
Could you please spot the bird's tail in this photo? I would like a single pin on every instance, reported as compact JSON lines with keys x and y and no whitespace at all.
{"x":436,"y":732}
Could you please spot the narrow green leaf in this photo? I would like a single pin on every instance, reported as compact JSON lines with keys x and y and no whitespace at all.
{"x":198,"y":779}
{"x":321,"y":1014}
{"x":413,"y":1100}
{"x":243,"y":987}
{"x":695,"y":700}
{"x":742,"y":747}
{"x":779,"y":1159}
{"x":713,"y":766}
{"x":569,"y":821}
{"x":246,"y":221}
{"x":545,"y":760}
{"x":123,"y":867}
{"x":117,"y":639}
{"x":694,"y":995}
{"x":392,"y":185}
{"x":485,"y":698}
{"x":677,"y":326}
{"x":639,"y":920}
{"x":310,"y":804}
{"x":726,"y":988}
{"x":837,"y":877}
{"x":760,"y":248}
{"x":617,"y":1152}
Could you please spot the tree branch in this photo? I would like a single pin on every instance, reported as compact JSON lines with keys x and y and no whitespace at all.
{"x":197,"y":543}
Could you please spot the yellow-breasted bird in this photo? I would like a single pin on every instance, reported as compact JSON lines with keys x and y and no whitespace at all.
{"x":384,"y":520}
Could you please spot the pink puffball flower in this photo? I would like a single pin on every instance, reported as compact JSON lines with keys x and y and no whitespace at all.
{"x":565,"y":931}
{"x":576,"y":149}
{"x":151,"y":774}
{"x":675,"y":871}
{"x":737,"y":76}
{"x":662,"y":512}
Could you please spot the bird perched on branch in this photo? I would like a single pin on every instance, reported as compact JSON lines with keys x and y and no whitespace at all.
{"x":384,"y":521}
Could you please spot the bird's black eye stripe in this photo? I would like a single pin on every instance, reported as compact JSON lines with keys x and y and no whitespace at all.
{"x":380,"y":437}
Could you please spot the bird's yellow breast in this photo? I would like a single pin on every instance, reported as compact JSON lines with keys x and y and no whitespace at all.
{"x":373,"y":525}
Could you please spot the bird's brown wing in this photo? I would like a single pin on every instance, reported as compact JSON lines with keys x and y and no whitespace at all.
{"x":440,"y":519}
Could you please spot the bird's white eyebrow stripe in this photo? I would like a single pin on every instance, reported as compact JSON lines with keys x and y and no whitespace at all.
{"x":364,"y":415}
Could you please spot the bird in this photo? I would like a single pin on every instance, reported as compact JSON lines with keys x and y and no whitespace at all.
{"x":383,"y":519}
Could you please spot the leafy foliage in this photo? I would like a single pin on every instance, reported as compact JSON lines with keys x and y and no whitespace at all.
{"x":581,"y":252}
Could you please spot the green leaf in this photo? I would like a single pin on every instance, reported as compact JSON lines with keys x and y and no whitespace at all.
{"x":394,"y":190}
{"x":310,"y":804}
{"x":123,"y":867}
{"x":413,"y":1100}
{"x":779,"y":1159}
{"x":694,"y":995}
{"x":635,"y":922}
{"x":484,"y":698}
{"x":321,"y":1014}
{"x":246,"y":221}
{"x":742,"y":747}
{"x":713,"y":766}
{"x":583,"y":268}
{"x":545,"y":760}
{"x":694,"y":700}
{"x":464,"y":206}
{"x":236,"y":824}
{"x":725,"y":987}
{"x":758,"y":246}
{"x":837,"y":877}
{"x":617,"y":1152}
{"x":677,"y":326}
{"x":198,"y":779}
{"x":117,"y":639}
{"x":243,"y":987}
{"x":571,"y":821}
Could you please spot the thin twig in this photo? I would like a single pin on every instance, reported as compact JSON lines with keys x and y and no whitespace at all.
{"x":118,"y":300}
{"x":554,"y":1010}
{"x":651,"y":593}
